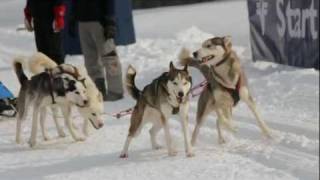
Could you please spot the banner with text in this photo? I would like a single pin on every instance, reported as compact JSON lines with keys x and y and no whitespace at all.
{"x":285,"y":31}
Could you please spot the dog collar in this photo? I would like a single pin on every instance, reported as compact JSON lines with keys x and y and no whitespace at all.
{"x":223,"y":60}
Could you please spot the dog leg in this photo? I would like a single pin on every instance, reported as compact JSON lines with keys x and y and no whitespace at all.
{"x":227,"y":119}
{"x":203,"y":111}
{"x":153,"y":136}
{"x":66,"y":111}
{"x":124,"y":153}
{"x":221,"y":140}
{"x":20,"y":117}
{"x":18,"y":130}
{"x":171,"y":150}
{"x":33,"y":137}
{"x":164,"y":119}
{"x":185,"y":128}
{"x":247,"y":98}
{"x":85,"y":128}
{"x":56,"y":121}
{"x":43,"y":113}
{"x":135,"y":127}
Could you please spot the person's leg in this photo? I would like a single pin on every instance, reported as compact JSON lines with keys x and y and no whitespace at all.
{"x":48,"y":42}
{"x":110,"y":60}
{"x":91,"y":58}
{"x":40,"y":37}
{"x":55,"y":44}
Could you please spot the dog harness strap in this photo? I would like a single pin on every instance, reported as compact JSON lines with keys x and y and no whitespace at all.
{"x":51,"y":86}
{"x":223,"y":60}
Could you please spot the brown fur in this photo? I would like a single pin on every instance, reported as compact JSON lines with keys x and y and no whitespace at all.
{"x":222,"y":78}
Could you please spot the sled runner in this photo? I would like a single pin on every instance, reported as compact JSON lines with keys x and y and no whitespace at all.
{"x":7,"y":102}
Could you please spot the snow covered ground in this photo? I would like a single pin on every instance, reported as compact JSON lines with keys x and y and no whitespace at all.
{"x":287,"y":97}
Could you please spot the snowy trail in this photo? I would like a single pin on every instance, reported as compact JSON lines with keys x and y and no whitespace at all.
{"x":288,"y":99}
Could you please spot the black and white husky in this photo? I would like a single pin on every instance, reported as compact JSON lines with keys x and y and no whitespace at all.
{"x":38,"y":63}
{"x":42,"y":90}
{"x":163,"y":97}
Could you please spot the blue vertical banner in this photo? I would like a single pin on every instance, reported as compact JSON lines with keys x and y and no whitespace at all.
{"x":125,"y":27}
{"x":285,"y":31}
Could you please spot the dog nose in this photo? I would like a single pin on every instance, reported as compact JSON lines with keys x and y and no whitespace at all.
{"x":100,"y":125}
{"x":85,"y":102}
{"x":180,"y":94}
{"x":195,"y":54}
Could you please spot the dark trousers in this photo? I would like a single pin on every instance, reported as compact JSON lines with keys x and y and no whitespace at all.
{"x":49,"y":42}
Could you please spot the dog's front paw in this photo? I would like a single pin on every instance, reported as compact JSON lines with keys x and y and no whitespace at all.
{"x":190,"y":154}
{"x":123,"y":155}
{"x":62,"y":134}
{"x":46,"y":138}
{"x":222,"y":141}
{"x":156,"y":147}
{"x":80,"y":139}
{"x":18,"y":140}
{"x":172,"y":153}
{"x":32,"y":143}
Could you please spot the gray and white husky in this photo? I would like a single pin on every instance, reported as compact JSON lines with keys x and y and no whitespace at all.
{"x":227,"y":84}
{"x":164,"y":96}
{"x":45,"y":89}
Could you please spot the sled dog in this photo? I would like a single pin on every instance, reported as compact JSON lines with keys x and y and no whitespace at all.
{"x":42,"y":90}
{"x":39,"y":63}
{"x":164,"y":96}
{"x":227,"y":84}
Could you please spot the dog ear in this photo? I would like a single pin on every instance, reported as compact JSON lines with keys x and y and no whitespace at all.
{"x":185,"y":68}
{"x":227,"y":41}
{"x":172,"y":68}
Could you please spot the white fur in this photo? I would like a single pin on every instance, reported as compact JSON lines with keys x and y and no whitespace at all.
{"x":160,"y":120}
{"x":217,"y":51}
{"x":38,"y":63}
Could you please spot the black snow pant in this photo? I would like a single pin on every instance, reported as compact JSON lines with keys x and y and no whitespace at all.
{"x":49,"y":42}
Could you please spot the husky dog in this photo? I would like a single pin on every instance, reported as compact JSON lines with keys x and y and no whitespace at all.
{"x":163,"y":97}
{"x":39,"y":63}
{"x":45,"y":89}
{"x":227,"y":84}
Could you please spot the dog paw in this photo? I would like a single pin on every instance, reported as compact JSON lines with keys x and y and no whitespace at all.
{"x":156,"y":147}
{"x":80,"y":139}
{"x":62,"y":134}
{"x":190,"y":154}
{"x":172,"y":153}
{"x":123,"y":156}
{"x":222,"y":141}
{"x":32,"y":144}
{"x":46,"y":138}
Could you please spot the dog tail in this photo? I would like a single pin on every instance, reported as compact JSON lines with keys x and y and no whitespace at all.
{"x":130,"y":83}
{"x":18,"y":68}
{"x":184,"y":57}
{"x":39,"y":62}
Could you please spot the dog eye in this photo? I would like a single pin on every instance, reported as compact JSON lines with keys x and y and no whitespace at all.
{"x":77,"y":92}
{"x":94,"y":114}
{"x":175,"y":83}
{"x":208,"y":46}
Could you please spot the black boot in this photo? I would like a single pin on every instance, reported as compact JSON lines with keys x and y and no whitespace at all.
{"x":101,"y":85}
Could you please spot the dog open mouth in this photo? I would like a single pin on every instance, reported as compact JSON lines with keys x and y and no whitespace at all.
{"x":81,"y":106}
{"x":179,"y":99}
{"x":207,"y":58}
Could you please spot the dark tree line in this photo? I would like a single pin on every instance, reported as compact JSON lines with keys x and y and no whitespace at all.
{"x":138,"y":4}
